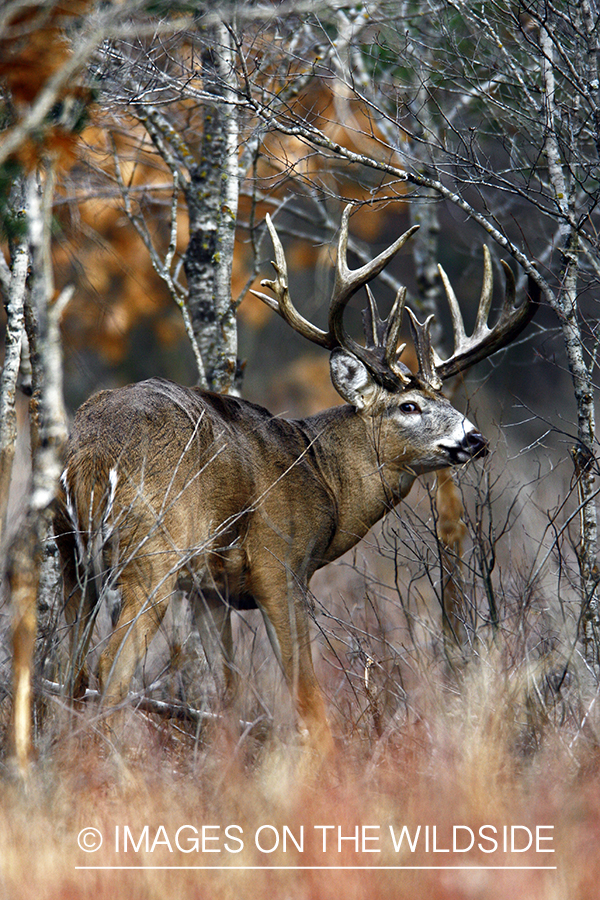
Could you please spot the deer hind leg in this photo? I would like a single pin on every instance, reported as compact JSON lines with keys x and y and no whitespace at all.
{"x":145,"y":593}
{"x":286,"y":620}
{"x":79,"y":613}
{"x":79,"y":607}
{"x":212,"y":616}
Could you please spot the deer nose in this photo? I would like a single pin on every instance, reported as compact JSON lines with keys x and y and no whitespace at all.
{"x":475,"y":444}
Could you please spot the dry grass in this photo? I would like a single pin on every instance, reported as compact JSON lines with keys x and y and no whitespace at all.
{"x":461,"y":763}
{"x":508,"y":736}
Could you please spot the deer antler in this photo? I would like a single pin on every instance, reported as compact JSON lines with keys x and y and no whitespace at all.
{"x":376,"y":356}
{"x":382,"y":335}
{"x":381,"y":352}
{"x":283,"y":304}
{"x":484,"y":341}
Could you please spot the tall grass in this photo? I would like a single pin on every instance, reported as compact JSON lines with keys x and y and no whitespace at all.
{"x":496,"y":731}
{"x":460,"y":763}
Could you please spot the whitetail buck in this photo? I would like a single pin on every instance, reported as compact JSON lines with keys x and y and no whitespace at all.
{"x":168,"y":486}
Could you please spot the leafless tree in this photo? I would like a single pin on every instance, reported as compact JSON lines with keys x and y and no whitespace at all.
{"x":491,"y":110}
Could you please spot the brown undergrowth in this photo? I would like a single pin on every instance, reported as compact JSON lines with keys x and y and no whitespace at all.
{"x":455,"y":773}
{"x":446,"y":804}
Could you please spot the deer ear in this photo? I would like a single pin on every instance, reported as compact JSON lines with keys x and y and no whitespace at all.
{"x":351,"y":379}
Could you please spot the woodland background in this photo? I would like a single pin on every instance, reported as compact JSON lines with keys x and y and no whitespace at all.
{"x":142,"y":144}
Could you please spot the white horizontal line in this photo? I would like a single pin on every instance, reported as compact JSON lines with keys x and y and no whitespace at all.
{"x":321,"y":868}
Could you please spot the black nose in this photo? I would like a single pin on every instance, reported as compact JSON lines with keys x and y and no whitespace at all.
{"x":475,"y":444}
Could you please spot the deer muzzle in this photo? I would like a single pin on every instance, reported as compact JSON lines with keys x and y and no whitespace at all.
{"x":474,"y":444}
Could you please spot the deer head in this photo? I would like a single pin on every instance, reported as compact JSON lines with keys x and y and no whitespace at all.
{"x":372,"y":377}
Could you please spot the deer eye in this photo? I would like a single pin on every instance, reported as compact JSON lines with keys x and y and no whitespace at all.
{"x":410,"y":407}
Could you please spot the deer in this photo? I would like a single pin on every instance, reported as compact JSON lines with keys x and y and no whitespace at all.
{"x":169,"y":488}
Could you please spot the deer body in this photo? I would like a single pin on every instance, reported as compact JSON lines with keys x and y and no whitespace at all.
{"x":166,"y":487}
{"x":249,"y":507}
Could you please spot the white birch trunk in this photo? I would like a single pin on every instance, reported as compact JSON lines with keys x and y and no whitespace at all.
{"x":566,"y":307}
{"x":26,"y":551}
{"x":212,"y":199}
{"x":15,"y":329}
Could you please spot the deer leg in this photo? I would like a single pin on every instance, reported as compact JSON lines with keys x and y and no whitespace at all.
{"x":288,"y":629}
{"x":80,"y":619}
{"x":78,"y":598}
{"x":452,"y":530}
{"x":144,"y":601}
{"x":212,"y":617}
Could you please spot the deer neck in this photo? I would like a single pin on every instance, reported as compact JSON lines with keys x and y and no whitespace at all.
{"x":346,"y":450}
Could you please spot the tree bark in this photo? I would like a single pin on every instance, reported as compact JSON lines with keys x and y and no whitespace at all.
{"x":15,"y":330}
{"x":212,"y":200}
{"x":567,"y":309}
{"x":26,"y":551}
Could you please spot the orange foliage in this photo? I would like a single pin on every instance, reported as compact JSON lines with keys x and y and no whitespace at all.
{"x":304,"y":386}
{"x":100,"y":251}
{"x":33,"y":49}
{"x":342,"y":120}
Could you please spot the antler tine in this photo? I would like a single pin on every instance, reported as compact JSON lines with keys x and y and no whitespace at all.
{"x":458,"y":325}
{"x":486,"y":341}
{"x":426,"y":356}
{"x":372,"y":323}
{"x":382,"y":334}
{"x":485,"y":299}
{"x":394,"y":324}
{"x":349,"y":281}
{"x":283,"y":304}
{"x":462,"y":343}
{"x":510,"y":291}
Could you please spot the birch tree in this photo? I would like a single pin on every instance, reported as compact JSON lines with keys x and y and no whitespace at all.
{"x":201,"y":152}
{"x":492,"y":109}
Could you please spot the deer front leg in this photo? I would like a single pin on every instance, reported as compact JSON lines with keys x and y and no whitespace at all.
{"x":286,"y":618}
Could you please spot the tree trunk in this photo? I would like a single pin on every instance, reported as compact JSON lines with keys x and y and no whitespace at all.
{"x":15,"y":330}
{"x":26,"y":550}
{"x":566,"y":307}
{"x":212,"y":200}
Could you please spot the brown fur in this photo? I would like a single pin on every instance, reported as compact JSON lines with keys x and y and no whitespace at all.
{"x":166,"y":485}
